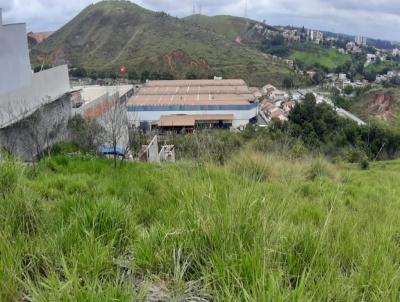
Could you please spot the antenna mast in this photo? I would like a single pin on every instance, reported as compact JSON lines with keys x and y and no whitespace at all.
{"x":245,"y":8}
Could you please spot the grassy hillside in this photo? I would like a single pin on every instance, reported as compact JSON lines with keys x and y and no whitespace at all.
{"x":110,"y":33}
{"x":328,"y":58}
{"x":228,"y":26}
{"x":382,"y":67}
{"x":260,"y":228}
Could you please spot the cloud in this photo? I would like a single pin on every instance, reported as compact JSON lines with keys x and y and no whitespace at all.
{"x":375,"y":18}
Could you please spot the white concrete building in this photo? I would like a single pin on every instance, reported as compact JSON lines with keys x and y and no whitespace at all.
{"x":360,"y":40}
{"x":315,"y":35}
{"x":21,"y":91}
{"x":15,"y":70}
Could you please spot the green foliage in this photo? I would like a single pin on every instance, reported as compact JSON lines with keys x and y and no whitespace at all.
{"x":348,"y":89}
{"x":9,"y":173}
{"x":326,"y":58}
{"x":78,"y":72}
{"x":342,"y":102}
{"x":319,"y":126}
{"x":87,"y":134}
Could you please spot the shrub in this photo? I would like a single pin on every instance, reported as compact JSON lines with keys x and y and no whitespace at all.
{"x":319,"y":168}
{"x":87,"y":134}
{"x":298,"y":150}
{"x":364,"y":164}
{"x":255,"y":167}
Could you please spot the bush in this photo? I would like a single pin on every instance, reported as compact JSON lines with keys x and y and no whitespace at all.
{"x":254,"y":167}
{"x":87,"y":134}
{"x":364,"y":164}
{"x":355,"y":155}
{"x":319,"y":168}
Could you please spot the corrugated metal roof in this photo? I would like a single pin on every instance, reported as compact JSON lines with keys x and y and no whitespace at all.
{"x":180,"y":83}
{"x":157,"y":100}
{"x":192,"y":92}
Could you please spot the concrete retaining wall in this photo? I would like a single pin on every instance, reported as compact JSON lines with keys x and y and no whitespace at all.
{"x":33,"y":134}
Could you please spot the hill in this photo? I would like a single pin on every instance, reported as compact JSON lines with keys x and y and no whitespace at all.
{"x":263,"y":37}
{"x":241,"y":30}
{"x":111,"y":33}
{"x":74,"y":229}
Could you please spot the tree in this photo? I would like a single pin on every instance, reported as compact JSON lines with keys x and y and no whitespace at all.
{"x":132,"y":75}
{"x":190,"y":75}
{"x":115,"y":123}
{"x":79,"y":72}
{"x":348,"y":89}
{"x":167,"y":76}
{"x":370,"y":76}
{"x":113,"y":75}
{"x":145,"y":76}
{"x":86,"y":133}
{"x":93,"y":75}
{"x":155,"y":76}
{"x":318,"y":77}
{"x":288,"y":82}
{"x":101,"y":75}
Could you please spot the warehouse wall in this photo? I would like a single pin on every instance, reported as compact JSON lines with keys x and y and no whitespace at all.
{"x":241,"y":117}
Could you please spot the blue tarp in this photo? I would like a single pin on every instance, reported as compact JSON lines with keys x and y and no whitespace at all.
{"x":110,"y":151}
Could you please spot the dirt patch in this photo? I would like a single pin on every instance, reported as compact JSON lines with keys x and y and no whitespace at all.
{"x":383,"y":106}
{"x":179,"y":60}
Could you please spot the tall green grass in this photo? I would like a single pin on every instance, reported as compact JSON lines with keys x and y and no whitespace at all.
{"x":259,"y":228}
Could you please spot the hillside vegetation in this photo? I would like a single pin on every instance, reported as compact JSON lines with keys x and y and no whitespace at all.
{"x":326,"y":57}
{"x":260,"y":228}
{"x":110,"y":33}
{"x":228,"y":26}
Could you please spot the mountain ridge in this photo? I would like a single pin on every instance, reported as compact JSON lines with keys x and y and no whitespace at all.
{"x":108,"y":34}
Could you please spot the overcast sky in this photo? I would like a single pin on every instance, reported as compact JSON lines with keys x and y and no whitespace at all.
{"x":373,"y":18}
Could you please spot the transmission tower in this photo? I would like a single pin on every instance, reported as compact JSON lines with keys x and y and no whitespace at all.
{"x":245,"y":8}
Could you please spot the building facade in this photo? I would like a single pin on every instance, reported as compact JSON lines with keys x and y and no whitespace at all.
{"x":362,"y":41}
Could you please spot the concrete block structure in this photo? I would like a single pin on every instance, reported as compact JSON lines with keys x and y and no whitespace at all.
{"x":15,"y":71}
{"x":34,"y":107}
{"x":193,"y":103}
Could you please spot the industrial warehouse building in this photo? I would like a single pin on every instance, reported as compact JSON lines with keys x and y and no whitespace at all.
{"x":177,"y":104}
